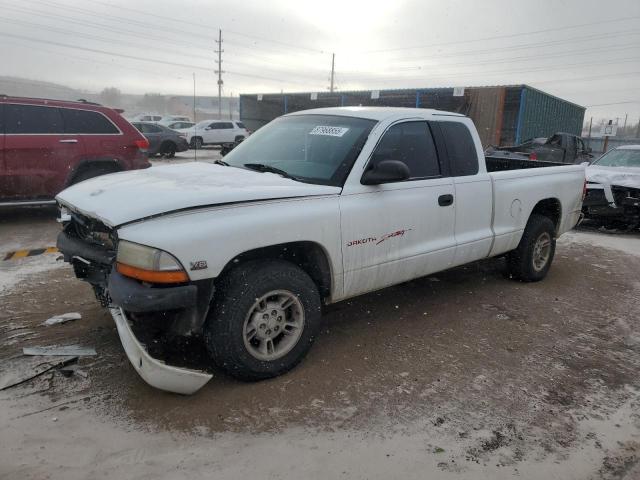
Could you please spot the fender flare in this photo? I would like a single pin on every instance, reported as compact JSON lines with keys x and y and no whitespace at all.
{"x":91,"y":162}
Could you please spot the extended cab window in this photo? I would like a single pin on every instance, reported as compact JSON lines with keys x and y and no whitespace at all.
{"x":84,"y":121}
{"x":411,"y":143}
{"x":461,"y":150}
{"x":32,"y":119}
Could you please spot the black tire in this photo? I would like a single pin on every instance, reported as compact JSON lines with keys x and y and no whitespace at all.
{"x":235,"y":296}
{"x":238,"y":139}
{"x":91,"y":172}
{"x":196,"y":143}
{"x":168,"y":150}
{"x":521,"y":261}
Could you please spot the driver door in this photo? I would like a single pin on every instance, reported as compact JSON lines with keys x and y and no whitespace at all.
{"x":397,"y":231}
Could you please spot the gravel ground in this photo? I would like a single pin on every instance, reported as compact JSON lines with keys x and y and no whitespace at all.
{"x":465,"y":374}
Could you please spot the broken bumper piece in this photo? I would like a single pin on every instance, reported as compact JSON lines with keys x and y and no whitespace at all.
{"x":155,"y":372}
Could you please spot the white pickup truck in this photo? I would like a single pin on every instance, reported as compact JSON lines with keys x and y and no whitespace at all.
{"x":315,"y":207}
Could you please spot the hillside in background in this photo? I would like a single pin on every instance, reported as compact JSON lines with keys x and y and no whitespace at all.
{"x":206,"y":106}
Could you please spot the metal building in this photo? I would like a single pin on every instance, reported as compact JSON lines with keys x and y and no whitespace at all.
{"x":503,"y":115}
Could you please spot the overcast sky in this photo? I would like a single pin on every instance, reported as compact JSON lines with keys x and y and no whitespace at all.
{"x":585,"y":51}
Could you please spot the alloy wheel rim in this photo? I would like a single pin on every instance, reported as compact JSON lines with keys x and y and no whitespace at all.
{"x":541,"y":251}
{"x":273,"y":325}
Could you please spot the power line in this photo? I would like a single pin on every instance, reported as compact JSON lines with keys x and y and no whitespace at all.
{"x":164,"y":28}
{"x":95,"y":37}
{"x":570,"y":53}
{"x":589,"y":78}
{"x":107,"y":28}
{"x":528,"y":70}
{"x":145,"y":59}
{"x":522,"y":46}
{"x":614,"y":103}
{"x":497,"y":37}
{"x":208,"y":27}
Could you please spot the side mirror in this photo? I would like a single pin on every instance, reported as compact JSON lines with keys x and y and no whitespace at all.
{"x":386,"y":171}
{"x":207,"y":128}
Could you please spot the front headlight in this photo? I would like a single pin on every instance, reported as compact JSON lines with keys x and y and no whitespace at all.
{"x":148,"y":264}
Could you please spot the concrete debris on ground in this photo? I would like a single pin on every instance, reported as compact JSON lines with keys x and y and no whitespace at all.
{"x":75,"y":350}
{"x":63,"y":318}
{"x":19,"y":370}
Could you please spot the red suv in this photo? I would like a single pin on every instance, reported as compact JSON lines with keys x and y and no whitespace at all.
{"x":47,"y":145}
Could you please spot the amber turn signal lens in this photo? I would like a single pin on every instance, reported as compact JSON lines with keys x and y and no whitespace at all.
{"x":152,"y":276}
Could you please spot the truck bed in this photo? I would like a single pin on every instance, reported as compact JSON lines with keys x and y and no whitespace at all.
{"x":499,"y":163}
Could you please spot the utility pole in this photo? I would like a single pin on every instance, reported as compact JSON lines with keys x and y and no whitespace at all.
{"x":624,"y":129}
{"x":219,"y":71}
{"x":333,"y":70}
{"x":195,"y":150}
{"x":194,"y":98}
{"x":589,"y":137}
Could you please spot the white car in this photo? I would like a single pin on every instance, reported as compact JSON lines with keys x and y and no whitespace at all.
{"x":215,"y":132}
{"x":145,"y":117}
{"x":175,"y":118}
{"x":613,"y":188}
{"x":316,"y":207}
{"x":178,"y":125}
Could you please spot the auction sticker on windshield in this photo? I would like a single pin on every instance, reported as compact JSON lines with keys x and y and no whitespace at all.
{"x":331,"y":131}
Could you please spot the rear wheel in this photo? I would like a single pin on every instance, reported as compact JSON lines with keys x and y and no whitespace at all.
{"x":531,"y":261}
{"x":168,"y":150}
{"x":91,"y":172}
{"x":264,"y":319}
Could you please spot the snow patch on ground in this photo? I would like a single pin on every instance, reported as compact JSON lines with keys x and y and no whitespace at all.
{"x":14,"y":272}
{"x":627,"y":243}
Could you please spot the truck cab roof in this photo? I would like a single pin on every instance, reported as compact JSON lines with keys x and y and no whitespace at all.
{"x":377,"y":113}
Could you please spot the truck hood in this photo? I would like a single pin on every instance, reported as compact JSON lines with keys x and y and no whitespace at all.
{"x":621,"y":176}
{"x":124,"y":197}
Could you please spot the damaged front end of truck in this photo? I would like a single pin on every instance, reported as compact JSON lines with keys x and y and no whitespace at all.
{"x":156,"y":308}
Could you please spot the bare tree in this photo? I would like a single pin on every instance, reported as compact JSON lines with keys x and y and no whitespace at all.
{"x":111,"y":97}
{"x":154,"y":102}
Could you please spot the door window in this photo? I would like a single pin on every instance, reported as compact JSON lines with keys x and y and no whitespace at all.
{"x":411,"y":143}
{"x":87,"y":122}
{"x":32,"y":119}
{"x":221,"y":125}
{"x":461,"y":150}
{"x":147,"y":128}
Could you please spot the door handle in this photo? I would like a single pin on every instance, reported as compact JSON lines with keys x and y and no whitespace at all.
{"x":69,"y":140}
{"x":445,"y":200}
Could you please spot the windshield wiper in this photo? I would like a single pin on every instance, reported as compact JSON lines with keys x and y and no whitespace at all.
{"x":261,"y":167}
{"x":221,"y":162}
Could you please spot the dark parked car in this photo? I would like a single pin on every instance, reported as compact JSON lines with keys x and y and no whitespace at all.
{"x":162,"y":140}
{"x":559,"y":148}
{"x":47,"y":145}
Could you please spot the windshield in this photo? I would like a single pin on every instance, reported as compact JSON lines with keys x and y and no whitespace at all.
{"x":620,"y":158}
{"x":311,"y":148}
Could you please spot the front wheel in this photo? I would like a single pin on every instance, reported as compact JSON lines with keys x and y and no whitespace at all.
{"x":196,"y":143}
{"x":531,"y":261}
{"x":265,"y":317}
